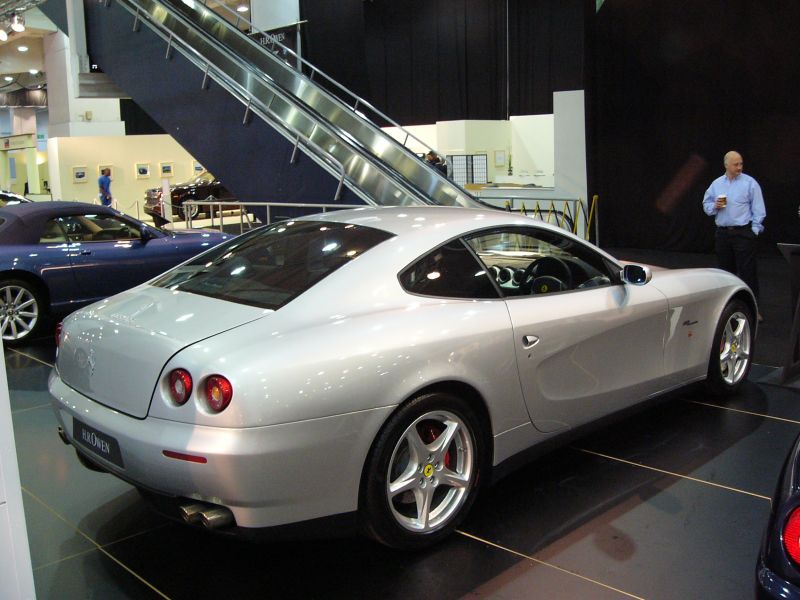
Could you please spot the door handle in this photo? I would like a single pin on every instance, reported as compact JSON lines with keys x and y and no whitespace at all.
{"x":529,"y":341}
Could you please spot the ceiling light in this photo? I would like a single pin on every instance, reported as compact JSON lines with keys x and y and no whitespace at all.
{"x":33,"y":71}
{"x":18,"y":23}
{"x":8,"y":78}
{"x":242,"y":8}
{"x":3,"y":35}
{"x":22,"y":48}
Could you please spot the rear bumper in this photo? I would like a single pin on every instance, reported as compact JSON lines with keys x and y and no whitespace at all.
{"x":769,"y":585}
{"x":267,"y":476}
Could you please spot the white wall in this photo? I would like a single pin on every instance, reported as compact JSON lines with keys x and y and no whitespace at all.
{"x":570,"y":144}
{"x":532,"y":149}
{"x":70,"y":115}
{"x":271,"y":14}
{"x":122,"y":153}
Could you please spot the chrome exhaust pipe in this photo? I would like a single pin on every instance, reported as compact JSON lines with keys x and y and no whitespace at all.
{"x":63,"y":436}
{"x":207,"y":515}
{"x":215,"y":518}
{"x":190,"y":513}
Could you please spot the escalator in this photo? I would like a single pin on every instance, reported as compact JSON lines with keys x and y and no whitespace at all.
{"x":267,"y":127}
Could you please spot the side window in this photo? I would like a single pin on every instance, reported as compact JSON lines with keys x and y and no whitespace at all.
{"x":53,"y":233}
{"x":526,"y":261}
{"x":98,"y":228}
{"x":450,"y":271}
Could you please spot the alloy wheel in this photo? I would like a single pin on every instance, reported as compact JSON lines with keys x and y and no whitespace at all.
{"x":430,"y":471}
{"x":735,"y":348}
{"x":19,"y":312}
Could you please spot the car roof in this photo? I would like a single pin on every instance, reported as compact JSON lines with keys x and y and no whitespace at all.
{"x":424,"y":227}
{"x":19,"y":221}
{"x":431,"y":221}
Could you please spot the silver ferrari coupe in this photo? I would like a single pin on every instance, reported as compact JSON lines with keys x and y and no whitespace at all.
{"x":375,"y":367}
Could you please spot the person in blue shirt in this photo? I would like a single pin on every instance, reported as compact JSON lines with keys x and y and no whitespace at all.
{"x":104,"y":183}
{"x":737,"y":205}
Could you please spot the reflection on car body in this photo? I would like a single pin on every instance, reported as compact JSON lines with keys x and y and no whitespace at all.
{"x":380,"y":365}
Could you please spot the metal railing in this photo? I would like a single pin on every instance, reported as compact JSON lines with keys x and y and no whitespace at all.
{"x":245,"y":221}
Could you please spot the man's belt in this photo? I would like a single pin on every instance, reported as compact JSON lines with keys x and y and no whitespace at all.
{"x":733,"y":226}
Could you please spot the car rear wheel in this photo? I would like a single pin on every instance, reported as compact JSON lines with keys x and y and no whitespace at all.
{"x":732,"y":350}
{"x":423,"y":472}
{"x":20,"y":308}
{"x":192,"y":210}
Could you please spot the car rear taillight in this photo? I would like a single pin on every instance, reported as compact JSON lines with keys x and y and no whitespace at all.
{"x":219,"y":393}
{"x":59,"y":329}
{"x":791,"y":535}
{"x":180,"y":386}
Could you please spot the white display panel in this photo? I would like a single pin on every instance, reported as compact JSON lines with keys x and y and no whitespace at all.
{"x":16,"y":577}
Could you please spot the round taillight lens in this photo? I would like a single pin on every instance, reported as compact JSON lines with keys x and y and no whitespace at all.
{"x":791,"y":535}
{"x":219,"y":393}
{"x":180,"y":386}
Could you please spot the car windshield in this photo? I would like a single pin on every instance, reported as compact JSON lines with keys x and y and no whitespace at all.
{"x":204,"y":177}
{"x":272,"y":265}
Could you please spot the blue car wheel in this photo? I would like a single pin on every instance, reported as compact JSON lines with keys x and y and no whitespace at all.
{"x":20,"y":308}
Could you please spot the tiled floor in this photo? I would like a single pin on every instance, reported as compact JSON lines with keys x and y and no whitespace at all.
{"x":667,"y":504}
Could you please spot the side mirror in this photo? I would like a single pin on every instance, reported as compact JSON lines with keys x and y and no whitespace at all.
{"x":145,"y":232}
{"x":636,"y":274}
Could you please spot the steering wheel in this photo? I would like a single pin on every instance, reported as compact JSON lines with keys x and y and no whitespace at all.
{"x":547,"y":284}
{"x":550,"y":266}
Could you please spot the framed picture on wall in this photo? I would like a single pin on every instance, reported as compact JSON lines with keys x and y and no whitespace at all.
{"x":499,"y":158}
{"x":165,"y":168}
{"x":142,"y":170}
{"x":110,"y":168}
{"x":197,"y":168}
{"x":79,"y":174}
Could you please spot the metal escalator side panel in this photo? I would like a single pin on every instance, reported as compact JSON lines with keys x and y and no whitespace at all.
{"x":386,"y":172}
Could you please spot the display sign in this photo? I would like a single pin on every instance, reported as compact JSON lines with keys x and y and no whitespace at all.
{"x":18,"y":142}
{"x":278,"y":41}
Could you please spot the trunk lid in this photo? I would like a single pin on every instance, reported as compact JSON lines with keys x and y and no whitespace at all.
{"x":113,"y":351}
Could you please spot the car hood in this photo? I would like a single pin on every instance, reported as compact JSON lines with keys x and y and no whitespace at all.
{"x":114,"y":350}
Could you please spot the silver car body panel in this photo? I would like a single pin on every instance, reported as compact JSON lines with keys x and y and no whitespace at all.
{"x":315,"y":380}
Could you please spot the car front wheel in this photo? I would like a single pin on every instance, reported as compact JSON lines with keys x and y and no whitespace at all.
{"x":423,"y":472}
{"x":20,"y":308}
{"x":732,"y":350}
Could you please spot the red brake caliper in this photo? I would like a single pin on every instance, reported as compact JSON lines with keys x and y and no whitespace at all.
{"x":429,"y":433}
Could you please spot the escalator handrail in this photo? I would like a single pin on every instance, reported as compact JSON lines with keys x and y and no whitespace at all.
{"x":359,"y":101}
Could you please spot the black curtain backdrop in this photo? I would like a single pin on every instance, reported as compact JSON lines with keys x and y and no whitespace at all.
{"x":676,"y":85}
{"x":423,"y":61}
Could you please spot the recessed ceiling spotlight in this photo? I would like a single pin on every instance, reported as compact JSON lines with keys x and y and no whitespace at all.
{"x":3,"y":35}
{"x":243,"y":8}
{"x":33,"y":71}
{"x":22,"y":48}
{"x":18,"y":23}
{"x":8,"y":78}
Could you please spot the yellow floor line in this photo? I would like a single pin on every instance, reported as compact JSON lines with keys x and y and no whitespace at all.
{"x":679,"y":475}
{"x":546,"y":564}
{"x":96,"y":545}
{"x":746,"y":412}
{"x":39,"y":360}
{"x":37,"y":407}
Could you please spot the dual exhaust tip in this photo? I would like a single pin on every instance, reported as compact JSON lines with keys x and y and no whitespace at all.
{"x":207,"y":515}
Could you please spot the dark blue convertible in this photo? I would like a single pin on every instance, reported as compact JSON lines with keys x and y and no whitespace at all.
{"x":58,"y":256}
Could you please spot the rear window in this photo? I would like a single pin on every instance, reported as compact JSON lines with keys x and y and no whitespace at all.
{"x":272,"y":265}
